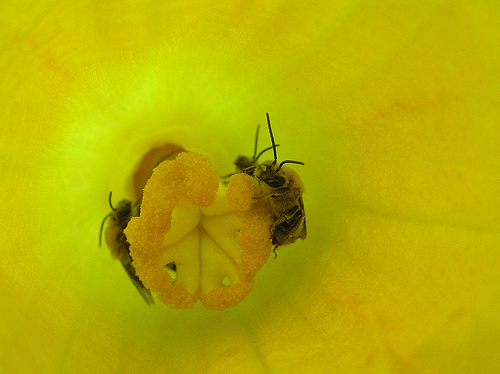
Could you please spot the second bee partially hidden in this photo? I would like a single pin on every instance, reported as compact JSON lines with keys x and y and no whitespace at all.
{"x":118,"y":244}
{"x":282,"y":189}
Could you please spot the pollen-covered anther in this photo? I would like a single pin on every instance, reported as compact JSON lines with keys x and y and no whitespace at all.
{"x":242,"y":191}
{"x":191,"y":242}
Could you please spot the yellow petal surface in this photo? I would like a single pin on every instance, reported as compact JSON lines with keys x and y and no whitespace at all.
{"x":392,"y":106}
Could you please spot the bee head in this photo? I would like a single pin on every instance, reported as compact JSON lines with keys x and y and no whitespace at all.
{"x":270,"y":176}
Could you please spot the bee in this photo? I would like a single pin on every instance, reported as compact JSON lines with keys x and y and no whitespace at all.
{"x":282,"y":188}
{"x":117,"y":241}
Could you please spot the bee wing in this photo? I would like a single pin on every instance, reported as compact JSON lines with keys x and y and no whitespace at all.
{"x":126,"y":261}
{"x":303,"y":233}
{"x":145,"y":293}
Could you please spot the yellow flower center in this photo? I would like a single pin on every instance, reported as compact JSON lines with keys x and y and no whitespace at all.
{"x":195,"y":238}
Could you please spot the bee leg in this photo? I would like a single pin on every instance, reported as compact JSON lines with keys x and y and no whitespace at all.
{"x":227,"y":176}
{"x":274,"y":251}
{"x":271,"y":231}
{"x":270,"y":194}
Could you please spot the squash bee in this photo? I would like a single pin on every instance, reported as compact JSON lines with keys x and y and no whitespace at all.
{"x":117,"y":241}
{"x":282,"y":187}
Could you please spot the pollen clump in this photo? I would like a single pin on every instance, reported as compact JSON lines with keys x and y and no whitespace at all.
{"x":241,"y":190}
{"x":195,"y":238}
{"x":201,"y":181}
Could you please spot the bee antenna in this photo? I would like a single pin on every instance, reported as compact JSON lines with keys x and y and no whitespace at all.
{"x":110,"y":203}
{"x":261,"y":152}
{"x":256,"y":141}
{"x":272,"y":139}
{"x":102,"y":226}
{"x":288,"y":162}
{"x":105,"y":218}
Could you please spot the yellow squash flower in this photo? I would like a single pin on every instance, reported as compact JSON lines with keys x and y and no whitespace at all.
{"x":392,"y":106}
